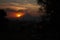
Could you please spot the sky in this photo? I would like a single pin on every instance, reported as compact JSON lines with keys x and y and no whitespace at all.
{"x":30,"y":5}
{"x":19,"y":3}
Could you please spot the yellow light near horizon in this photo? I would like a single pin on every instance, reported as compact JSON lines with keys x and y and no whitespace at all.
{"x":18,"y":15}
{"x":15,"y":15}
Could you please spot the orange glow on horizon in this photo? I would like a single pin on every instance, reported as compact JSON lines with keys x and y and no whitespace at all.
{"x":19,"y":15}
{"x":15,"y":15}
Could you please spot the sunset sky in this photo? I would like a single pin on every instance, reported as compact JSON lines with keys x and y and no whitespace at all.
{"x":30,"y":6}
{"x":18,"y":3}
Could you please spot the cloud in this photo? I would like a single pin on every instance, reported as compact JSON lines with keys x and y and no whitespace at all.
{"x":22,"y":4}
{"x":19,"y":6}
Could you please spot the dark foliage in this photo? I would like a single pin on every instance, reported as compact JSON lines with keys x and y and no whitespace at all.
{"x":48,"y":31}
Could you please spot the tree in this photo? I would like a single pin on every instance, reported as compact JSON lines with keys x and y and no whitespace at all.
{"x":2,"y":14}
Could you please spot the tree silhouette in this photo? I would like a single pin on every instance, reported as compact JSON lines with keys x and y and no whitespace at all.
{"x":2,"y":14}
{"x":49,"y":29}
{"x":3,"y":21}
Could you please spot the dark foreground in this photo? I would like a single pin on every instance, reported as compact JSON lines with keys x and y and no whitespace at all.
{"x":28,"y":31}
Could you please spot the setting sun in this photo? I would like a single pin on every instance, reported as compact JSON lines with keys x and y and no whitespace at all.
{"x":18,"y":15}
{"x":15,"y":15}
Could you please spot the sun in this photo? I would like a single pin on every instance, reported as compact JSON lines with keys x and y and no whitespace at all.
{"x":18,"y":15}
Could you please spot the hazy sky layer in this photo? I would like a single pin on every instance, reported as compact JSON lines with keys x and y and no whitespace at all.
{"x":19,"y":1}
